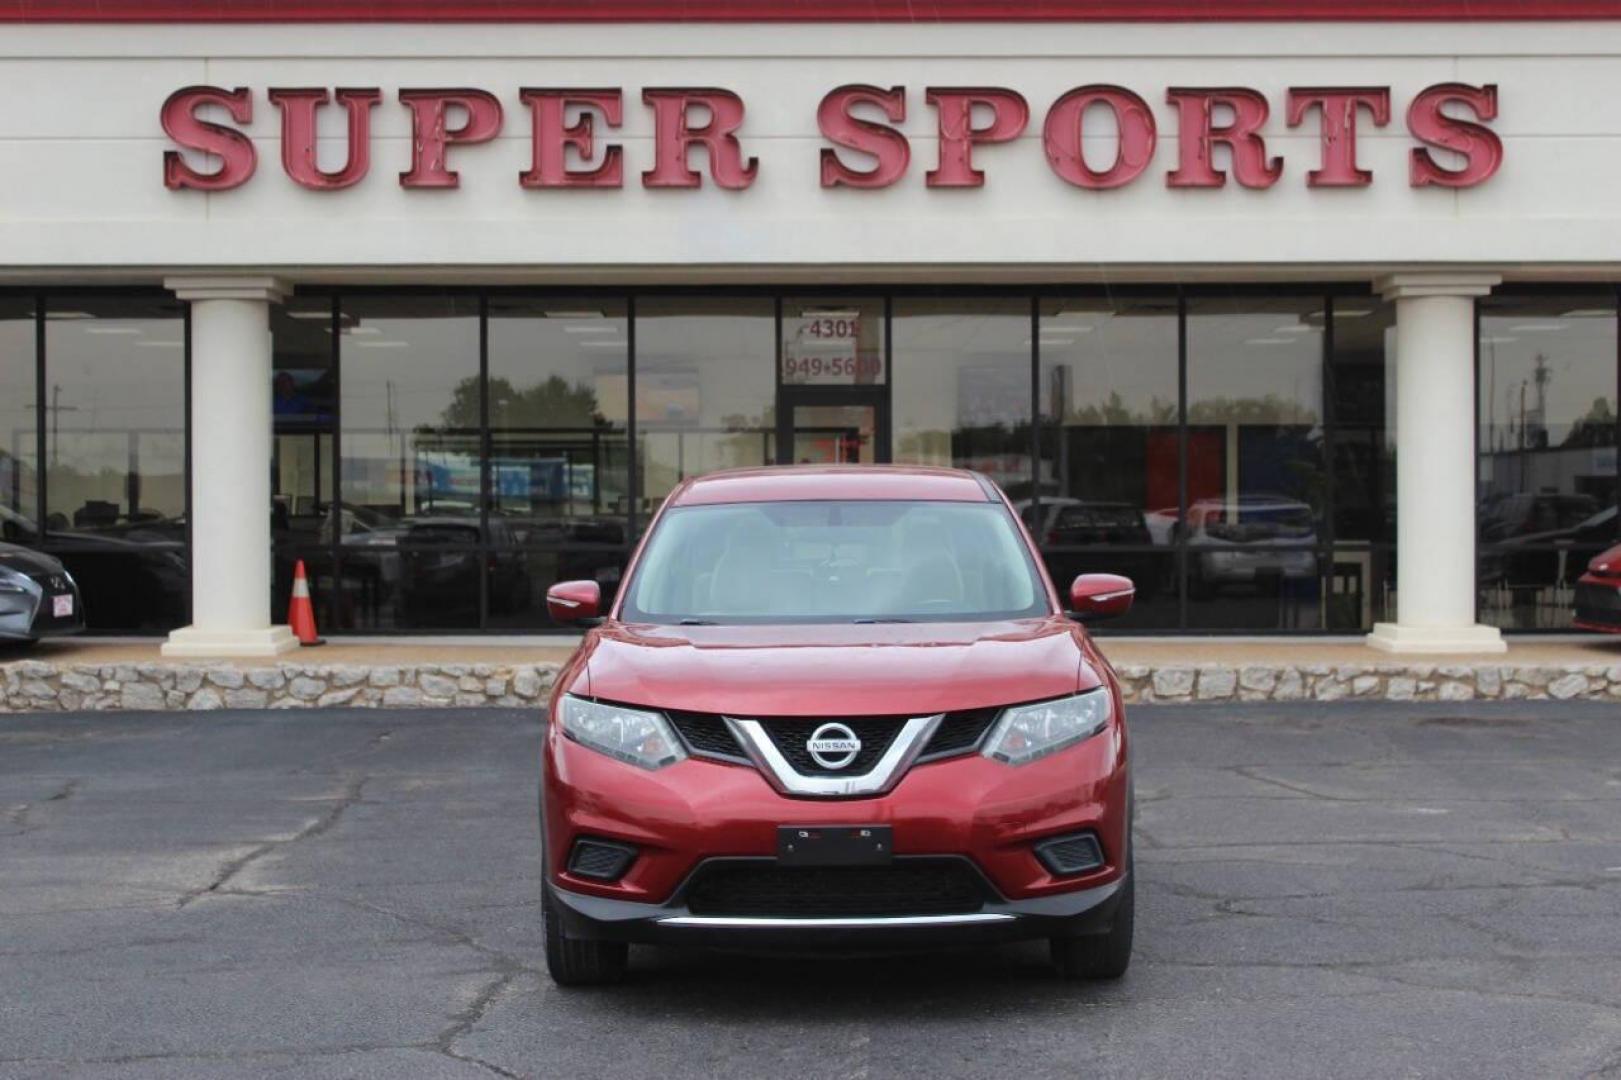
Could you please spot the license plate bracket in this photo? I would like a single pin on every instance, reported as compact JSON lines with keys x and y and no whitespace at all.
{"x":835,"y":845}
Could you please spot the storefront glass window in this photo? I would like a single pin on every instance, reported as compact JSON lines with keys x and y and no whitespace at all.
{"x":1256,"y":483}
{"x":1362,"y":408}
{"x":411,"y":483}
{"x":485,"y":439}
{"x":304,"y":407}
{"x":115,"y":456}
{"x":1107,"y":473}
{"x":559,"y":467}
{"x":19,"y":431}
{"x":705,"y":389}
{"x":833,"y":341}
{"x":1547,"y":444}
{"x":962,"y":386}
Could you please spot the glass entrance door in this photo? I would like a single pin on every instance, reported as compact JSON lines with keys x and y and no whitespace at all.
{"x":828,"y":426}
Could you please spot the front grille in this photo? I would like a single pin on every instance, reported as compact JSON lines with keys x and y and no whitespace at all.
{"x":960,"y":732}
{"x":791,"y":735}
{"x":905,"y":887}
{"x":1598,"y":600}
{"x":706,"y":735}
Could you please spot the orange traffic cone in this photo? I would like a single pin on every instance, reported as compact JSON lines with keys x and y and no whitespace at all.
{"x":300,"y":612}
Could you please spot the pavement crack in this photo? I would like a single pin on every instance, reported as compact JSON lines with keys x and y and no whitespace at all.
{"x":340,"y":804}
{"x":506,"y":970}
{"x":469,"y":1018}
{"x":1253,"y":772}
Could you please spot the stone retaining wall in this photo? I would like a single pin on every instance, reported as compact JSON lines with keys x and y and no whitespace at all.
{"x":36,"y":685}
{"x":1374,"y":681}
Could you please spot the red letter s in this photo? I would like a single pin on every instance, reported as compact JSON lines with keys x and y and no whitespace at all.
{"x":1480,"y":146}
{"x":234,"y":149}
{"x":889,"y":148}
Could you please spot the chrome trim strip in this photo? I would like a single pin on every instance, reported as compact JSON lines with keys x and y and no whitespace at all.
{"x":909,"y":742}
{"x":741,"y":922}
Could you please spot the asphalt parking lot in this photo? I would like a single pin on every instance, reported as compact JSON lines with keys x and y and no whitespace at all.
{"x":1341,"y":891}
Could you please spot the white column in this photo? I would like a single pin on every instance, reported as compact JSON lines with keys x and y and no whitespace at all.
{"x":230,"y":469}
{"x":1435,"y":466}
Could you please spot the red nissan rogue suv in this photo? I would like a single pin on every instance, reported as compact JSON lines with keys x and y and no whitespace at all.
{"x":836,"y":708}
{"x":1598,"y":594}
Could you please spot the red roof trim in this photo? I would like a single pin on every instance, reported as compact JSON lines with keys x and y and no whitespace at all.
{"x":914,"y":11}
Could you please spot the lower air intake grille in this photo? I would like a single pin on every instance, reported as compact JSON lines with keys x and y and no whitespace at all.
{"x":905,"y":887}
{"x":1067,"y":855}
{"x":601,"y":860}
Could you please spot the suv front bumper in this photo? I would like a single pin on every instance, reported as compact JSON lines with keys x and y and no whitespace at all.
{"x":1079,"y":913}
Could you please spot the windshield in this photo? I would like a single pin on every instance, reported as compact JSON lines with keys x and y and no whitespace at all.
{"x":856,"y":561}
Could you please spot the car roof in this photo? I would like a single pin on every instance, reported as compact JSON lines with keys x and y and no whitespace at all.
{"x":805,"y":483}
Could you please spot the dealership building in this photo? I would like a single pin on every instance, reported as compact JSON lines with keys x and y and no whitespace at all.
{"x":1304,"y":315}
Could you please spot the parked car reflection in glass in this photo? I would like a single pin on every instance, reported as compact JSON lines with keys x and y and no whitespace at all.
{"x":1533,"y":541}
{"x":1249,"y":542}
{"x":1076,"y":523}
{"x":440,"y":563}
{"x":132,"y":573}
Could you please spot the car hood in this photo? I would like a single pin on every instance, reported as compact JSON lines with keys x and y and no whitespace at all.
{"x":28,"y":561}
{"x":844,"y":670}
{"x":1610,"y":559}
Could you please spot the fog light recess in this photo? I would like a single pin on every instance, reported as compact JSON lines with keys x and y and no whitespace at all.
{"x":1066,"y":856}
{"x":600,"y":860}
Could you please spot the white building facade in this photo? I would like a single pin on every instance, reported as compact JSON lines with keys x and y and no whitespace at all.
{"x":1309,"y":324}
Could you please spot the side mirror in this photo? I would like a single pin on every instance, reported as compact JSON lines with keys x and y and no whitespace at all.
{"x":573,"y":601}
{"x":1100,"y":596}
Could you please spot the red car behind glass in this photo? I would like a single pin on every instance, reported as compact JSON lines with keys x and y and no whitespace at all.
{"x":1598,"y":594}
{"x":836,"y":707}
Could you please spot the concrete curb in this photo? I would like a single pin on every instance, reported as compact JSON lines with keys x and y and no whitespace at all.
{"x":43,"y":686}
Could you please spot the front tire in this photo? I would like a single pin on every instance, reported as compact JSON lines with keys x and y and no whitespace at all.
{"x":579,"y":961}
{"x":1106,"y":955}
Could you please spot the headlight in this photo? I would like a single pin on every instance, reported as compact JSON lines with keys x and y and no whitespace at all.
{"x":1027,"y":732}
{"x":11,"y":581}
{"x":631,"y":735}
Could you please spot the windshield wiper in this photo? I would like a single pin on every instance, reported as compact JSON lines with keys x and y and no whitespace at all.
{"x":697,"y":622}
{"x":869,"y":622}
